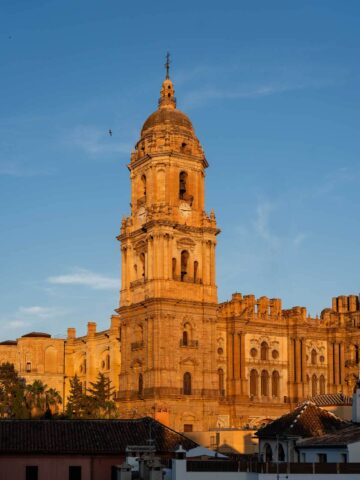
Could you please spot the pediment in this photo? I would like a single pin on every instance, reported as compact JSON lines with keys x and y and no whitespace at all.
{"x":185,"y":243}
{"x":189,"y":361}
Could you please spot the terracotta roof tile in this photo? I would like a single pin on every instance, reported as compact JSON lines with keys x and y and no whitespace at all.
{"x":347,"y":435}
{"x":97,"y":437}
{"x":331,"y":399}
{"x":307,"y":420}
{"x":36,"y":334}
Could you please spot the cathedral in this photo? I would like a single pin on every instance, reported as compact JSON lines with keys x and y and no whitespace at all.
{"x":172,"y":351}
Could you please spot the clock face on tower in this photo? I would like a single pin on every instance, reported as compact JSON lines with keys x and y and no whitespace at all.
{"x":142,"y":214}
{"x":184,"y":209}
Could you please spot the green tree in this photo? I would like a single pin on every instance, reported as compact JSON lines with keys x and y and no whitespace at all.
{"x":78,"y":403}
{"x":101,"y":396}
{"x":12,"y":393}
{"x":40,"y":399}
{"x":53,"y":400}
{"x":35,"y":398}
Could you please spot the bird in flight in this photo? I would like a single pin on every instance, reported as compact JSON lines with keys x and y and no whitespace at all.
{"x":110,"y":132}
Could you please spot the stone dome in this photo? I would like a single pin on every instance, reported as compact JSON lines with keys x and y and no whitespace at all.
{"x":165,"y":117}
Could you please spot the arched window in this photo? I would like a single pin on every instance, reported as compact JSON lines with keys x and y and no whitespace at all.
{"x":221,"y":381}
{"x":174,"y":268}
{"x":143,"y":182}
{"x":142,"y":261}
{"x":182,"y":185}
{"x":186,"y":336}
{"x":187,"y":383}
{"x":313,"y":356}
{"x":196,"y":266}
{"x":314,"y":382}
{"x":141,"y":385}
{"x":275,"y":381}
{"x":281,"y":453}
{"x":107,"y":362}
{"x":254,"y":380}
{"x":264,"y":383}
{"x":322,"y":385}
{"x":264,"y":351}
{"x":184,"y":264}
{"x":267,"y":453}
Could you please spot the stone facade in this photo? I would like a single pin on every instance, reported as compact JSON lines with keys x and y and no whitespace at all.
{"x":172,"y":351}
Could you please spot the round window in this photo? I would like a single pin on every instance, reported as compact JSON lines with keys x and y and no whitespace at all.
{"x":253,"y":352}
{"x":275,"y":354}
{"x":220,"y":351}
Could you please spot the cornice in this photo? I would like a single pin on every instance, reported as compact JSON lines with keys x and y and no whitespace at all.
{"x":167,"y":223}
{"x":170,"y":154}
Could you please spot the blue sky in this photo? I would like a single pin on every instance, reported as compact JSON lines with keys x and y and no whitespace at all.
{"x":273,"y":91}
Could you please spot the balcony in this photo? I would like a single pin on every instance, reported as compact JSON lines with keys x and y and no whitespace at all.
{"x":189,"y":343}
{"x":137,"y":346}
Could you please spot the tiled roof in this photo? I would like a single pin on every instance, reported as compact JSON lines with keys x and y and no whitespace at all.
{"x":342,"y":438}
{"x":332,"y":399}
{"x":8,"y":342}
{"x":307,"y":420}
{"x":36,"y":334}
{"x":96,"y":437}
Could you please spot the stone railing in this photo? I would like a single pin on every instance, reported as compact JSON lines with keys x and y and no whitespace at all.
{"x":189,"y":343}
{"x":187,"y":279}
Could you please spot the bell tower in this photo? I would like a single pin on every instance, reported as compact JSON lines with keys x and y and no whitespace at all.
{"x":168,"y":298}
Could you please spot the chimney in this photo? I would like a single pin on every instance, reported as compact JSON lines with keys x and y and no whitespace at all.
{"x":115,"y":323}
{"x":91,"y":329}
{"x":71,"y":333}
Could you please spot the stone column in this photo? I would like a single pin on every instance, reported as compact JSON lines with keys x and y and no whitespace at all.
{"x":237,"y":363}
{"x":160,"y":255}
{"x":150,"y":258}
{"x":230,"y":361}
{"x":291,"y":367}
{"x":243,"y":381}
{"x":203,"y":261}
{"x":342,"y":365}
{"x":213,"y":263}
{"x":303,"y":365}
{"x":166,"y":257}
{"x":128,"y":266}
{"x":123,"y":250}
{"x":336,"y":364}
{"x":331,"y":373}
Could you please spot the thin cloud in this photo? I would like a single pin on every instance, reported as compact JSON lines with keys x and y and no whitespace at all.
{"x":299,"y":239}
{"x":262,"y":228}
{"x":96,"y":141}
{"x":40,"y":312}
{"x":86,"y":278}
{"x":261,"y":224}
{"x":17,"y":324}
{"x":201,"y":97}
{"x":335,"y":179}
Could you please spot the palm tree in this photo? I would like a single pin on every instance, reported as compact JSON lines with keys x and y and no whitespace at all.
{"x":35,"y":398}
{"x":52,"y":400}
